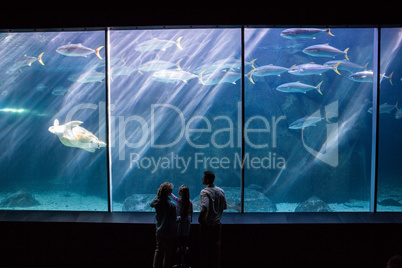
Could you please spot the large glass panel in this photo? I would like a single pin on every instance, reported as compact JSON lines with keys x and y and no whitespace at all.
{"x":52,"y":95}
{"x":175,"y":103}
{"x":307,"y":129}
{"x":389,"y":195}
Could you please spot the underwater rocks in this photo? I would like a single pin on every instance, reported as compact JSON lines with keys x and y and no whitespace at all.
{"x":390,"y":203}
{"x":313,"y":204}
{"x":138,"y":202}
{"x":20,"y":199}
{"x":254,"y":200}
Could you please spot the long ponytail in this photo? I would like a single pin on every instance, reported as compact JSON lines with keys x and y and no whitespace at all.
{"x":185,"y":201}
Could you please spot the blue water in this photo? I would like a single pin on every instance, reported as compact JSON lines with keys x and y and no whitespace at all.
{"x":174,"y":130}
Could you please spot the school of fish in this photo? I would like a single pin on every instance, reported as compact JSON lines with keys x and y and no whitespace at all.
{"x":225,"y":70}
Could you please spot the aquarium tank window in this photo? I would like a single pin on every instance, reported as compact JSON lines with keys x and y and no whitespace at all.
{"x":308,"y":133}
{"x":389,"y":195}
{"x":53,"y":132}
{"x":97,"y":120}
{"x":175,"y":111}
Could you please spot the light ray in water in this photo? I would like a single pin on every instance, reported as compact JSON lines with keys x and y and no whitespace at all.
{"x":275,"y":181}
{"x":161,"y":107}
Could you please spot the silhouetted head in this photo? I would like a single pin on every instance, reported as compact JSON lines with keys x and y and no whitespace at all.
{"x":184,"y":192}
{"x":395,"y":262}
{"x":165,"y":190}
{"x":209,"y":177}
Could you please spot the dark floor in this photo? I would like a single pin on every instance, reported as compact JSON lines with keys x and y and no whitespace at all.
{"x":256,"y":240}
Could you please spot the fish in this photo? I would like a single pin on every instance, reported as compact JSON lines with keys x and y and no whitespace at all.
{"x":41,"y":87}
{"x":88,"y":77}
{"x":219,"y":77}
{"x":345,"y":65}
{"x":324,"y":50}
{"x":121,"y":70}
{"x":228,"y":64}
{"x":25,"y":61}
{"x":312,"y":68}
{"x":59,"y":91}
{"x":78,"y":50}
{"x":398,"y":114}
{"x":265,"y":71}
{"x":298,"y":87}
{"x":385,"y":108}
{"x":158,"y":44}
{"x":362,"y":77}
{"x":172,"y":76}
{"x":307,"y":121}
{"x":157,"y":65}
{"x":367,"y":77}
{"x":298,"y":33}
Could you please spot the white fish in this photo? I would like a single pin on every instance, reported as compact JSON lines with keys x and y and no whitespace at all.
{"x":367,"y":77}
{"x":173,"y":76}
{"x":41,"y":87}
{"x":312,"y":68}
{"x":324,"y":50}
{"x":228,"y":64}
{"x":158,"y":44}
{"x":345,"y":65}
{"x":307,"y":121}
{"x":266,"y":70}
{"x":298,"y":33}
{"x":157,"y":65}
{"x":121,"y":70}
{"x":78,"y":50}
{"x":219,"y":77}
{"x":385,"y":108}
{"x":298,"y":87}
{"x":59,"y":91}
{"x":88,"y":77}
{"x":25,"y":61}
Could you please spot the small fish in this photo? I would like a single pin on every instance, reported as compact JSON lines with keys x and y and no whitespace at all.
{"x":88,"y":77}
{"x":265,"y":71}
{"x":59,"y":91}
{"x":78,"y":50}
{"x":41,"y":87}
{"x":398,"y":114}
{"x":219,"y":77}
{"x":158,"y":65}
{"x":25,"y":61}
{"x":307,"y":121}
{"x":312,"y":68}
{"x":158,"y":44}
{"x":298,"y":87}
{"x":367,"y":77}
{"x":324,"y":50}
{"x":172,"y":76}
{"x":229,"y":64}
{"x":345,"y":66}
{"x":121,"y":70}
{"x":385,"y":108}
{"x":298,"y":33}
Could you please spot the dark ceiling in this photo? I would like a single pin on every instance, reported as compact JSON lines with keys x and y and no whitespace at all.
{"x":73,"y":13}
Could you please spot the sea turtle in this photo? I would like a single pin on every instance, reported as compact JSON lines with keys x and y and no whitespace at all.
{"x":72,"y":135}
